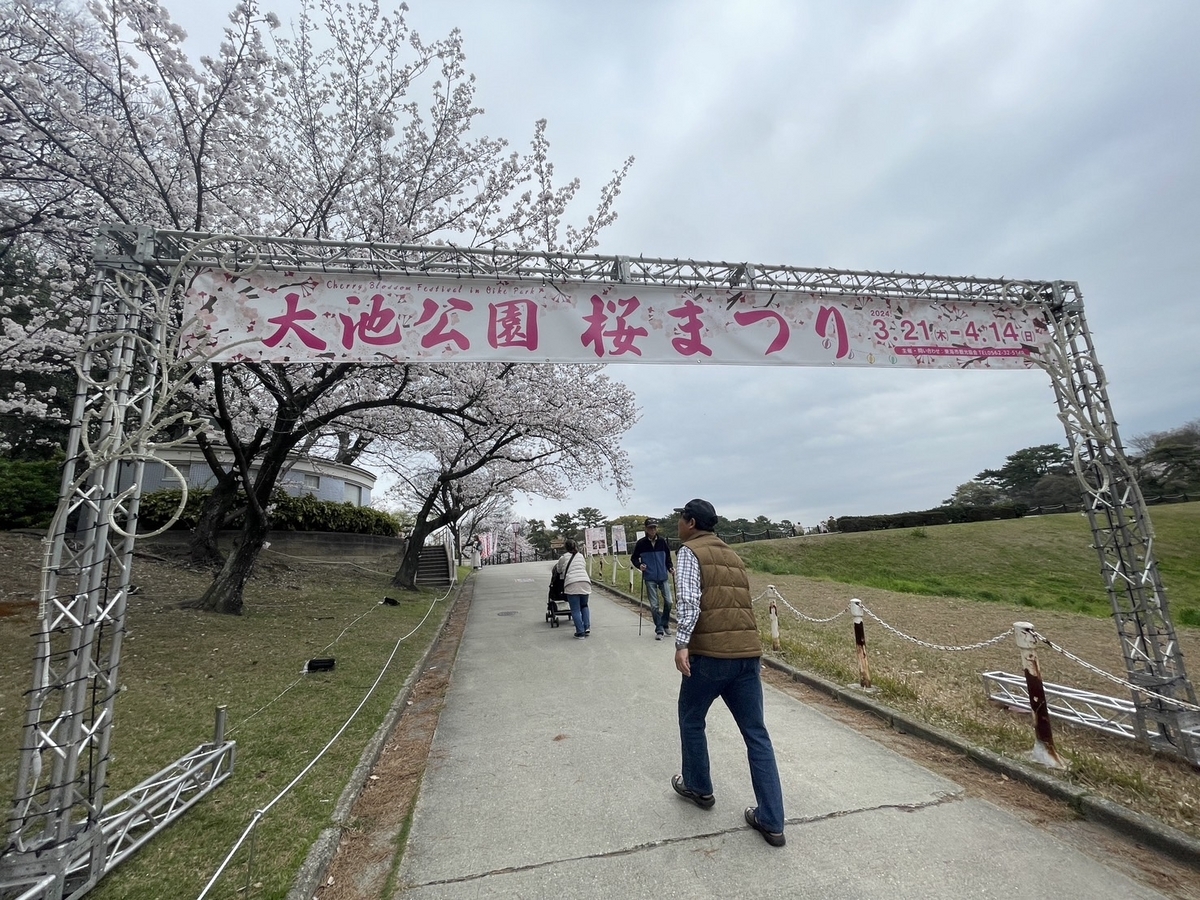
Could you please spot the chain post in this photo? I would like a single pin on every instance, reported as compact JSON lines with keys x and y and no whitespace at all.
{"x":860,"y":643}
{"x":1043,"y":751}
{"x":774,"y":610}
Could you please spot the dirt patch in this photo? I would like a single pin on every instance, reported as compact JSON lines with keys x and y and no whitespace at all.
{"x":21,"y":563}
{"x":371,"y":846}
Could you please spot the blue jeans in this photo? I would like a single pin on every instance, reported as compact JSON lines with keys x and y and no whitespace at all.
{"x":580,"y":614}
{"x":661,"y":612}
{"x":737,"y":682}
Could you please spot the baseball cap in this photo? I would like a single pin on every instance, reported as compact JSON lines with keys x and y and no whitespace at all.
{"x":650,"y":523}
{"x":702,"y":512}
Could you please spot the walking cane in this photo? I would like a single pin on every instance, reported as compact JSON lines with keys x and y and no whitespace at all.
{"x":667,"y":606}
{"x":641,"y":597}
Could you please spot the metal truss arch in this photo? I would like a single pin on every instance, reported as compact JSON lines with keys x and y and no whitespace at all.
{"x":61,"y":836}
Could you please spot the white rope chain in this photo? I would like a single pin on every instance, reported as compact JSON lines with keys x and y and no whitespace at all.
{"x":782,"y":599}
{"x":963,"y":649}
{"x":773,"y":589}
{"x":896,"y":631}
{"x":1170,"y":701}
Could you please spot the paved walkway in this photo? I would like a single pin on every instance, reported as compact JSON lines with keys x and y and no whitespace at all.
{"x":549,"y":777}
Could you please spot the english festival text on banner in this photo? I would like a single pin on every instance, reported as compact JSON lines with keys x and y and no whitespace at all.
{"x":304,"y":317}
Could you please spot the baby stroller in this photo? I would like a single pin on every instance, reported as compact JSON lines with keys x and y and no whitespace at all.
{"x":556,"y":602}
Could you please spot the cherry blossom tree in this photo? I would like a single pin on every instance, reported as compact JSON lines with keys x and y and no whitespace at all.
{"x":511,"y":532}
{"x":535,"y":429}
{"x":104,"y":116}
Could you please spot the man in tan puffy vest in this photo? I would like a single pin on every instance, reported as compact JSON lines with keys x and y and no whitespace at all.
{"x":718,"y":652}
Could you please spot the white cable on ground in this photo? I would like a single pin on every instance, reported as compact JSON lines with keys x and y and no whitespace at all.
{"x":229,"y":732}
{"x":301,"y":678}
{"x":259,"y":814}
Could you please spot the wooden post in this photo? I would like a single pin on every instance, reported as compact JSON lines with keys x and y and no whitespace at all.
{"x":860,"y":644}
{"x":1043,"y":751}
{"x":774,"y":620}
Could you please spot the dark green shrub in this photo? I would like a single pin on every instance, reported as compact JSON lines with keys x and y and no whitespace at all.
{"x":307,"y":513}
{"x":287,"y":513}
{"x":29,"y":492}
{"x":942,"y":515}
{"x":158,"y":507}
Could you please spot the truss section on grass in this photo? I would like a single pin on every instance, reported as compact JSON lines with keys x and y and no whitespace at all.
{"x":1114,"y":715}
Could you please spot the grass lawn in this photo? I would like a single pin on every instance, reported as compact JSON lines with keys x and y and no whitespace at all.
{"x":949,"y":584}
{"x":178,"y":665}
{"x":1042,"y":562}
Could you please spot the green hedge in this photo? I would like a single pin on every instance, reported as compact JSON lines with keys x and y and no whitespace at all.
{"x":307,"y":513}
{"x":288,"y":513}
{"x":943,"y":515}
{"x":29,"y":492}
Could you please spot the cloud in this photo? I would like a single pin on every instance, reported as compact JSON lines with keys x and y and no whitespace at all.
{"x":1017,"y":139}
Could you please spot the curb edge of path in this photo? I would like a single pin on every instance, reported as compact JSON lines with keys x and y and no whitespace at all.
{"x":320,"y":854}
{"x":1090,"y":806}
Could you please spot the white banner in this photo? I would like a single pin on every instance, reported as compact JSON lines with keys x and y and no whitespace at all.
{"x":282,"y":317}
{"x":596,"y":540}
{"x":618,"y":539}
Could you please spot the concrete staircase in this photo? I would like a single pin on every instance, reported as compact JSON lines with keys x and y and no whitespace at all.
{"x":433,"y":568}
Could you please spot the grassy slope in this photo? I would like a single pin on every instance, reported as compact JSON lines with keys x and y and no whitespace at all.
{"x":1044,"y":562}
{"x":179,"y":664}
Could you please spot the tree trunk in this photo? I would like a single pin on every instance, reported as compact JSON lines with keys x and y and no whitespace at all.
{"x":406,"y":575}
{"x":203,"y":549}
{"x":425,"y":523}
{"x":224,"y":595}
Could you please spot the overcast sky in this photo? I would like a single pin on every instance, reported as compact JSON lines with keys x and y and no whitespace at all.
{"x":1027,"y":140}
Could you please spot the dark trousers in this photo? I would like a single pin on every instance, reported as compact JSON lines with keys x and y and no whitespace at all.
{"x":738,"y":683}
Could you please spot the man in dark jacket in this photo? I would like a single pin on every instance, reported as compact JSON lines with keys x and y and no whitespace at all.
{"x":652,"y":557}
{"x":718,"y":651}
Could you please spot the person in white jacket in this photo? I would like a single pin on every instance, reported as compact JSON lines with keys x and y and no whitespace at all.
{"x":577,"y":586}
